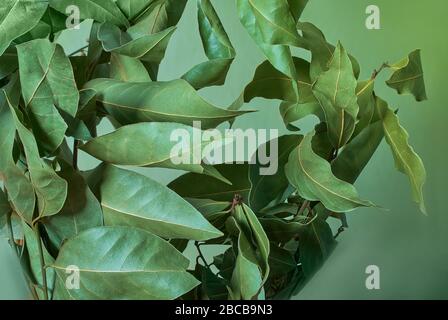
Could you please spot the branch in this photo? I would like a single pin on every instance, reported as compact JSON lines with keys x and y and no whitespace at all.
{"x":376,"y":72}
{"x":75,"y":154}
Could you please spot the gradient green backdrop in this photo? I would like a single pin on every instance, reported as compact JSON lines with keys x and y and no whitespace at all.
{"x":409,"y":248}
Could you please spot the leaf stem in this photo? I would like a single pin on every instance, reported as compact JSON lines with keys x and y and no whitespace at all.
{"x":75,"y":154}
{"x":340,"y":230}
{"x":376,"y":72}
{"x":42,"y":261}
{"x":11,"y":233}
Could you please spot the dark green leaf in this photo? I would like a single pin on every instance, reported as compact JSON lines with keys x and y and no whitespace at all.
{"x":316,"y":243}
{"x":266,"y":187}
{"x":209,"y":188}
{"x":408,"y":76}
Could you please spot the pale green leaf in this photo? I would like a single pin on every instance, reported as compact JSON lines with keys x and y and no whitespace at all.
{"x":122,"y":263}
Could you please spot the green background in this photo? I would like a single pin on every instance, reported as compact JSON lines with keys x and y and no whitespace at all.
{"x":408,"y":247}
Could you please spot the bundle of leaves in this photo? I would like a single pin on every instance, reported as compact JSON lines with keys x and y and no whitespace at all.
{"x":124,"y":233}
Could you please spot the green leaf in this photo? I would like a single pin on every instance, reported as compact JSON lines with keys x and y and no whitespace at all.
{"x":147,"y":47}
{"x":131,"y":199}
{"x":406,"y":160}
{"x":408,"y":76}
{"x":281,"y":261}
{"x":209,"y":188}
{"x":279,"y":230}
{"x":20,"y":189}
{"x":357,"y":153}
{"x":138,"y":264}
{"x":17,"y":17}
{"x":217,"y":46}
{"x":98,"y":10}
{"x":55,"y":20}
{"x":151,"y":146}
{"x":270,"y":83}
{"x":134,"y":8}
{"x":162,"y":15}
{"x":128,"y":69}
{"x":250,"y":272}
{"x":335,"y":90}
{"x":274,"y":21}
{"x":316,"y":243}
{"x":314,"y":180}
{"x":321,"y":50}
{"x":216,"y":212}
{"x":32,"y":244}
{"x":8,"y":63}
{"x":81,"y":210}
{"x":297,"y":7}
{"x":51,"y":190}
{"x":172,"y":101}
{"x":366,"y":103}
{"x":266,"y":188}
{"x":5,"y":211}
{"x":213,"y":287}
{"x":225,"y":263}
{"x":279,"y":55}
{"x":47,"y":85}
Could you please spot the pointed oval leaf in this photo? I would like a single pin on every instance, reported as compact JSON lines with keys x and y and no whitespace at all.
{"x":17,"y":17}
{"x":172,"y":101}
{"x":138,"y":264}
{"x":279,"y":55}
{"x":406,"y":160}
{"x":48,"y":84}
{"x":153,"y":145}
{"x":314,"y":180}
{"x":128,"y":69}
{"x":81,"y":210}
{"x":131,"y":199}
{"x":335,"y":90}
{"x":217,"y":46}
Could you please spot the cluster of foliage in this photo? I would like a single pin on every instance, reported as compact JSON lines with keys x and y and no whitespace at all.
{"x":124,"y":231}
